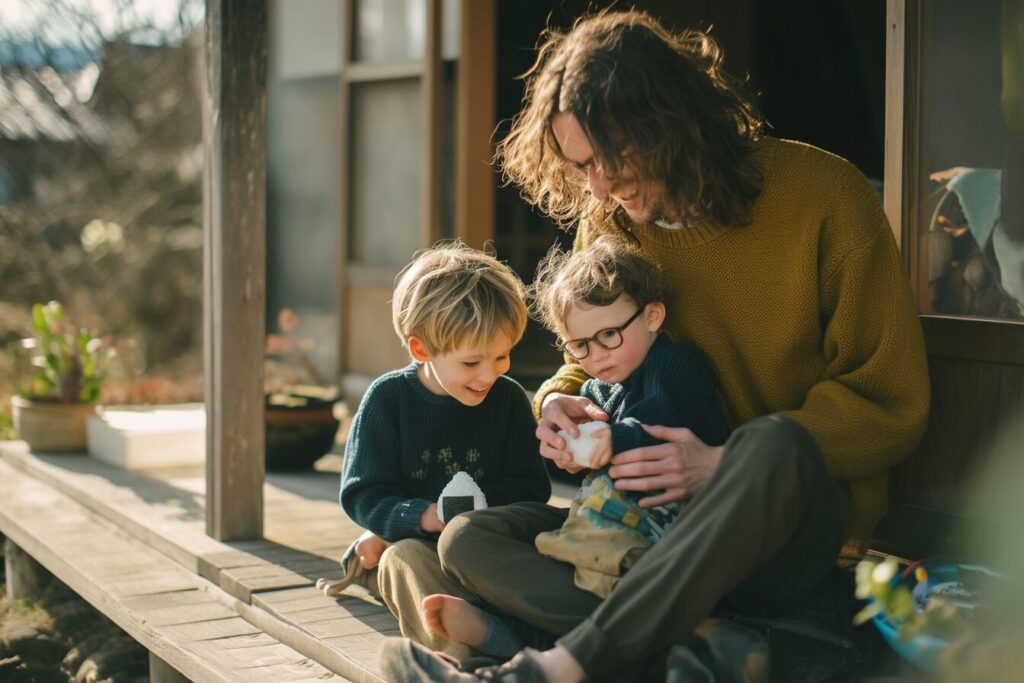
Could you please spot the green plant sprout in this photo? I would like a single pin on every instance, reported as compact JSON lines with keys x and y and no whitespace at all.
{"x":939,"y":618}
{"x":67,"y":362}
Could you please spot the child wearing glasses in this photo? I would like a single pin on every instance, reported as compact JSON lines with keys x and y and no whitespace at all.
{"x":607,"y":304}
{"x":458,"y":312}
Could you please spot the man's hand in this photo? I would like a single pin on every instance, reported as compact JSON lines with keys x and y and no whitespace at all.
{"x":678,"y":470}
{"x":429,"y":521}
{"x":561,"y":411}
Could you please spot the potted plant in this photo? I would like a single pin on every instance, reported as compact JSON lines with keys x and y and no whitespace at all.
{"x":50,"y":410}
{"x":302,"y":409}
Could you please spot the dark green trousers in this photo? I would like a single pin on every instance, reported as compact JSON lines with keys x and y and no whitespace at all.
{"x":758,"y":539}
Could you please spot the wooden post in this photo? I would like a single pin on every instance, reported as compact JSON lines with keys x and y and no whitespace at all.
{"x":902,"y":174}
{"x":162,"y":672}
{"x":234,"y":268}
{"x":23,"y":575}
{"x":475,"y":112}
{"x":432,"y":83}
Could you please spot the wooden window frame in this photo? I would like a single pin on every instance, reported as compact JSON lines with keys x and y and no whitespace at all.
{"x":352,"y":72}
{"x":966,"y":338}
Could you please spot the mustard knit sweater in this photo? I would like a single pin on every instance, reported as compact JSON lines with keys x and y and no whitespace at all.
{"x":805,"y":312}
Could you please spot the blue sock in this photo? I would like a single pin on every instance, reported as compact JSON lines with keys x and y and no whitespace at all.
{"x":501,"y":641}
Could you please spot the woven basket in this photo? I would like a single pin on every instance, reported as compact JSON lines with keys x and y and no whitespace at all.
{"x":51,"y":427}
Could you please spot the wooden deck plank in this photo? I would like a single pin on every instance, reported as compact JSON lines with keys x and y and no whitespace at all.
{"x":253,"y":657}
{"x":333,"y":610}
{"x":164,"y":515}
{"x":186,"y":614}
{"x":304,"y":543}
{"x":270,"y":553}
{"x":181,"y":632}
{"x":369,"y":623}
{"x":363,"y":648}
{"x":319,"y":604}
{"x":146,"y":603}
{"x":210,"y":630}
{"x":297,"y":564}
{"x":271,"y":662}
{"x":243,"y":641}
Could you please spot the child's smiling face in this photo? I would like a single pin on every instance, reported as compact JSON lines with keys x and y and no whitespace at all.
{"x":585,"y":321}
{"x":466,"y":373}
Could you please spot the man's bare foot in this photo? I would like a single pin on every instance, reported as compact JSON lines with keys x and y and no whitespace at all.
{"x":456,"y":619}
{"x":369,"y":551}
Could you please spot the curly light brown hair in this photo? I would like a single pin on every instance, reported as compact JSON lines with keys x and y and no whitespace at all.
{"x":596,"y":274}
{"x":452,"y":295}
{"x":630,"y":82}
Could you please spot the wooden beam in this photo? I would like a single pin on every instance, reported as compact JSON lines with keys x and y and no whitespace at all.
{"x":23,"y":576}
{"x":345,"y":161}
{"x":895,"y":80}
{"x":978,"y":339}
{"x":432,"y":89}
{"x":475,"y":113}
{"x":234,"y":267}
{"x":162,"y":672}
{"x":901,"y":124}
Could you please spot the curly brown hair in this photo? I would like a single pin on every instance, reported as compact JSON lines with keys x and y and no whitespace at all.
{"x":596,"y":274}
{"x":630,"y":82}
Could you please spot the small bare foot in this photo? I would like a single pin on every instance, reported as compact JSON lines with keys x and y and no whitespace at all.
{"x":456,"y":619}
{"x":369,"y":551}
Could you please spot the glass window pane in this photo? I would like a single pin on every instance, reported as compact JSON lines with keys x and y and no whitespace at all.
{"x":450,"y":11}
{"x":306,"y":38}
{"x":389,"y":30}
{"x":972,"y":154}
{"x":385,"y":172}
{"x":303,"y":155}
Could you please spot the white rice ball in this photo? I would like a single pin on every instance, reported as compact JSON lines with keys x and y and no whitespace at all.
{"x":582,"y":447}
{"x":461,"y":487}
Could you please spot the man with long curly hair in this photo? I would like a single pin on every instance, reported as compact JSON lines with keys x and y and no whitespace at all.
{"x":786,"y":274}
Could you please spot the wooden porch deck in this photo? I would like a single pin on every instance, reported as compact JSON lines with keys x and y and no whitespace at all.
{"x":107,"y":532}
{"x":134,"y":545}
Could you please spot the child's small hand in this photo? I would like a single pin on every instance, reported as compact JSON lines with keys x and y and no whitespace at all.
{"x":429,"y":520}
{"x":369,"y":550}
{"x":602,"y":453}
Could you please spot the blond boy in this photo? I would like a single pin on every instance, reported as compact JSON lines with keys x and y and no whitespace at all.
{"x":458,"y":312}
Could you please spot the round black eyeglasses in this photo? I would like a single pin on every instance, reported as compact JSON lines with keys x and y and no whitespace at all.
{"x":608,"y":339}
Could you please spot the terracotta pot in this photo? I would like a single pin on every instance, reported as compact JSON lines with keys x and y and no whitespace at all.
{"x":50,"y":426}
{"x":298,"y":435}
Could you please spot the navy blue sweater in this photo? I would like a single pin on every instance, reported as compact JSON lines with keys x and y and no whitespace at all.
{"x":406,"y":443}
{"x":673,"y":387}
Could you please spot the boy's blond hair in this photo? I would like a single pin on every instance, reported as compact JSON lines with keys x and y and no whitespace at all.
{"x":452,"y":295}
{"x":596,"y":274}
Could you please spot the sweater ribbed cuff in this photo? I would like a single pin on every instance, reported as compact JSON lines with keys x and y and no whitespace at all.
{"x":405,"y":520}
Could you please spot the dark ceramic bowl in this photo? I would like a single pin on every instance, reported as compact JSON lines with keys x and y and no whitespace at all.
{"x":300,"y":429}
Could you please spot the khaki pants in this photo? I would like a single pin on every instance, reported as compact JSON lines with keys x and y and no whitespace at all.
{"x":410,"y":570}
{"x":759,"y":538}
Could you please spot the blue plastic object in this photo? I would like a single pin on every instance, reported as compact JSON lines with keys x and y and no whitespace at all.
{"x":921,"y":650}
